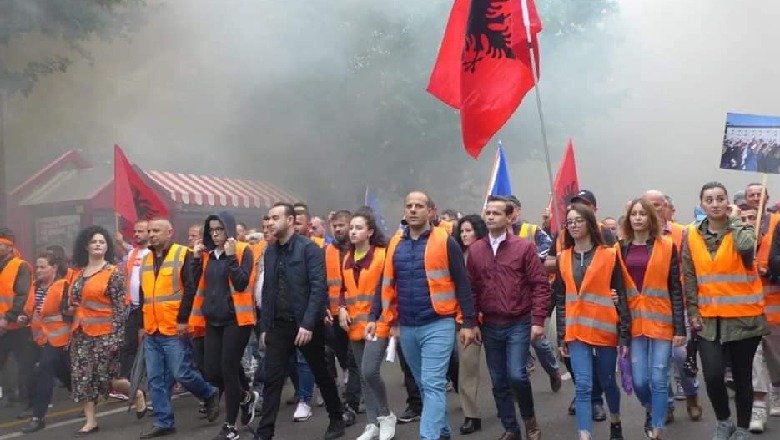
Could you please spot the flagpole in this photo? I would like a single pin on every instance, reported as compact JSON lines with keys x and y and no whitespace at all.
{"x":555,"y":208}
{"x":492,"y":181}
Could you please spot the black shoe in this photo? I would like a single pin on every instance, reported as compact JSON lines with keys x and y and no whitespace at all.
{"x":669,"y":416}
{"x":248,"y":407}
{"x":335,"y":429}
{"x":409,"y":415}
{"x":615,"y":431}
{"x":227,"y":433}
{"x":156,"y":431}
{"x":212,"y":407}
{"x":349,"y":416}
{"x":599,"y":415}
{"x":25,"y":414}
{"x":648,"y":425}
{"x":35,"y":425}
{"x":556,"y":382}
{"x":470,"y":426}
{"x":572,"y":408}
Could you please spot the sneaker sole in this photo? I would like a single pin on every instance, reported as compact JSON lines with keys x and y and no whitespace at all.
{"x":301,"y":419}
{"x":413,"y":419}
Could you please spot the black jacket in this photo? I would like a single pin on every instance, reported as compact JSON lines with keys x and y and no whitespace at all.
{"x":674,"y":285}
{"x":218,"y":307}
{"x":305,"y":282}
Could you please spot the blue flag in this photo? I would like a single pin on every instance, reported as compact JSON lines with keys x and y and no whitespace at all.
{"x":500,"y":185}
{"x":372,"y":202}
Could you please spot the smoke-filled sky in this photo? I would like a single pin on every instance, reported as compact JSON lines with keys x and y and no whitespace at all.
{"x":210,"y":86}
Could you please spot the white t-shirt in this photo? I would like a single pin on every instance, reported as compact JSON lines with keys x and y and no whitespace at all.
{"x":135,"y":275}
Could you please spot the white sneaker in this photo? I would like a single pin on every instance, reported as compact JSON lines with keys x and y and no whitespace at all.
{"x":757,"y":420}
{"x":387,"y":426}
{"x":302,"y":412}
{"x":370,"y":433}
{"x":774,"y":404}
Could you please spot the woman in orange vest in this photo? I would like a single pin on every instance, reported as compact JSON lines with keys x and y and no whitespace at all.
{"x":588,"y":273}
{"x":725,"y":305}
{"x":43,"y":311}
{"x":363,"y":267}
{"x":654,"y":292}
{"x":97,"y":304}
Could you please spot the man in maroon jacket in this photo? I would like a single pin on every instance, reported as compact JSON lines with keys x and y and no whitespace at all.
{"x":512,"y":293}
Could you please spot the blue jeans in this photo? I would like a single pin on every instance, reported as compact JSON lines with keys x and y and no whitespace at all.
{"x":650,"y":371}
{"x":583,"y":364}
{"x":506,"y":352}
{"x":427,"y":349}
{"x":305,"y":378}
{"x":546,"y":356}
{"x":168,"y":360}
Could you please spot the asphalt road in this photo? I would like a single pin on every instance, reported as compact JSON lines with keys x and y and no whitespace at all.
{"x":116,"y":424}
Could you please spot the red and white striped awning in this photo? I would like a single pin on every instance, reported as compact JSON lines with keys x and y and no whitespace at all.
{"x":194,"y":189}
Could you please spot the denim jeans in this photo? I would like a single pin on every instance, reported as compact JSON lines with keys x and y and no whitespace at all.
{"x":305,"y":378}
{"x":428,"y":349}
{"x":585,"y":367}
{"x":506,"y":351}
{"x":168,"y":360}
{"x":546,"y":355}
{"x":650,"y":371}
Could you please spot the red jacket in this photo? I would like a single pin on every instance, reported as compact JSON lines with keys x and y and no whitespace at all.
{"x":511,"y":285}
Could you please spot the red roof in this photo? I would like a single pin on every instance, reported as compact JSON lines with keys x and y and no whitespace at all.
{"x":194,"y":189}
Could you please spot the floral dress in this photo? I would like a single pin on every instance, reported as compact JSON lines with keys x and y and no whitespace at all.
{"x":95,"y":359}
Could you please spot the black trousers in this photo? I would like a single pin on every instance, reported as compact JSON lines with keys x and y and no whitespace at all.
{"x":54,"y":363}
{"x":413,"y":397}
{"x":223,"y":349}
{"x":714,"y":357}
{"x":338,"y":340}
{"x":279,"y":347}
{"x":19,"y":342}
{"x":134,"y":323}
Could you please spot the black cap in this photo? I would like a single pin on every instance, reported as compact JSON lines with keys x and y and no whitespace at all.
{"x":584,"y":196}
{"x":513,"y":199}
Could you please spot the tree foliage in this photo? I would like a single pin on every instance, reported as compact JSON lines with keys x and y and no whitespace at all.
{"x":68,"y":22}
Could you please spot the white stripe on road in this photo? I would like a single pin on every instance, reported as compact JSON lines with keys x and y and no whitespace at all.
{"x":80,"y":419}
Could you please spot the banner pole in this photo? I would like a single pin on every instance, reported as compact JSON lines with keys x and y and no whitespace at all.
{"x":556,"y":211}
{"x":760,"y":213}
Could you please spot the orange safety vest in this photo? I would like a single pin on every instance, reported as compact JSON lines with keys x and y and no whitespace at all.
{"x":726,"y":288}
{"x":651,"y":309}
{"x":591,"y":316}
{"x":95,"y":312}
{"x":360,"y":297}
{"x":163,"y":292}
{"x":447,"y":226}
{"x":771,"y":290}
{"x":437,"y":271}
{"x":333,"y":266}
{"x":243,"y":302}
{"x":676,"y":231}
{"x":48,"y":326}
{"x":7,"y":281}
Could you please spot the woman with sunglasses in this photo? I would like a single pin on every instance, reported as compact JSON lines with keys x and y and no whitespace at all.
{"x":588,"y":275}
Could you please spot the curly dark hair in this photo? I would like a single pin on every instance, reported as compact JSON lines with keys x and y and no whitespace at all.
{"x":80,"y":255}
{"x":378,"y":237}
{"x":479,"y":226}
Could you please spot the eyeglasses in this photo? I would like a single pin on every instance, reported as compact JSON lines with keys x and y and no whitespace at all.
{"x":213,"y":231}
{"x":575,"y":222}
{"x":750,"y":217}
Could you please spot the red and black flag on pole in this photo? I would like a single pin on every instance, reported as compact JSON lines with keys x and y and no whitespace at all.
{"x":484,"y":66}
{"x":134,"y":199}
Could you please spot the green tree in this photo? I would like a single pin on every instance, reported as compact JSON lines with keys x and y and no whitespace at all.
{"x":63,"y":24}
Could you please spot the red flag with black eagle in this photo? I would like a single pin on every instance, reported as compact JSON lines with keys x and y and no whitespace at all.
{"x":134,"y":199}
{"x":484,"y":65}
{"x":566,"y":186}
